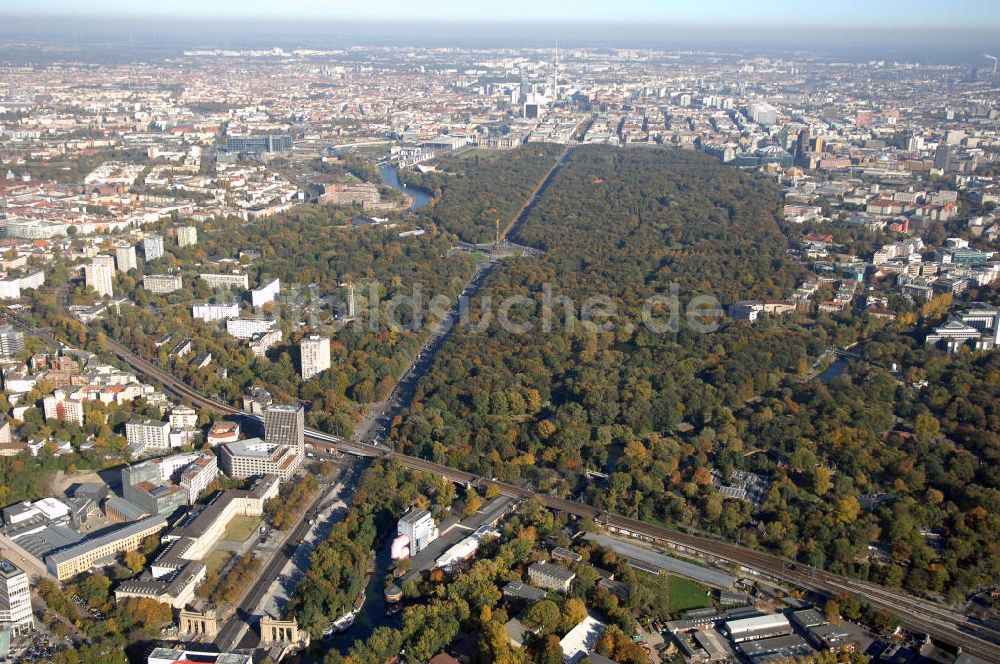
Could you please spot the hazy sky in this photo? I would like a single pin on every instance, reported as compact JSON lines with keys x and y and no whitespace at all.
{"x":869,"y":14}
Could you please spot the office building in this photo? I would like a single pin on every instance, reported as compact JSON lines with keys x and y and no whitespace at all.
{"x":99,"y":278}
{"x":253,"y":456}
{"x":286,"y":425}
{"x":419,"y":529}
{"x":125,"y":259}
{"x":152,"y":247}
{"x":258,"y":143}
{"x":232,"y":280}
{"x":315,"y":355}
{"x":11,"y":341}
{"x":173,"y":575}
{"x":214,"y":312}
{"x":246,"y":328}
{"x":187,"y":236}
{"x":162,"y":486}
{"x":148,"y":435}
{"x":266,"y":293}
{"x":15,"y":599}
{"x":72,"y":560}
{"x":161,"y":283}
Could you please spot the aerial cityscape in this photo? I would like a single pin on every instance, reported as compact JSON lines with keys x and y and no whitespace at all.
{"x":512,"y":332}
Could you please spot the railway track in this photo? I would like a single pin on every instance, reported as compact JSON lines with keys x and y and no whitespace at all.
{"x":921,"y":615}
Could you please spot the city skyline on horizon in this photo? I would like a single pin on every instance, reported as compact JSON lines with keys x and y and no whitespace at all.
{"x":885,"y":16}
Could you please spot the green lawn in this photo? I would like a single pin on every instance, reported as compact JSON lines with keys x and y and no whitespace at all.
{"x":685,"y":594}
{"x":240,"y":528}
{"x":216,"y":560}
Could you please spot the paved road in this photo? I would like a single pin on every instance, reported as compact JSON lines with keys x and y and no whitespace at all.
{"x":234,"y":630}
{"x":938,"y":620}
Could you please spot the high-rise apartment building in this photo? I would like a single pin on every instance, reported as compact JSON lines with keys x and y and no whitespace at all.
{"x":286,"y":425}
{"x":15,"y":599}
{"x":187,"y":236}
{"x":125,"y":258}
{"x":152,"y":247}
{"x":99,"y":278}
{"x":315,"y":353}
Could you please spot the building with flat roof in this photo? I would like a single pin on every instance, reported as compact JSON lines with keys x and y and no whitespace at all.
{"x":246,"y":328}
{"x":98,"y":277}
{"x":258,"y":143}
{"x":314,"y":351}
{"x":147,"y":435}
{"x":161,"y":283}
{"x":783,"y":648}
{"x":213,"y":312}
{"x":11,"y":341}
{"x":553,"y":577}
{"x":162,"y":486}
{"x":152,"y":247}
{"x":175,"y":573}
{"x":286,"y":425}
{"x":231,"y":280}
{"x":183,"y":656}
{"x":418,"y":527}
{"x":187,"y":236}
{"x":581,"y":640}
{"x":102,"y":547}
{"x":125,"y":258}
{"x":758,"y":627}
{"x":265,"y":293}
{"x":253,"y":456}
{"x":15,"y":599}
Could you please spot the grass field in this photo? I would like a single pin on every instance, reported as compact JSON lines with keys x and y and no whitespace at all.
{"x":240,"y":528}
{"x":216,"y":560}
{"x":685,"y":594}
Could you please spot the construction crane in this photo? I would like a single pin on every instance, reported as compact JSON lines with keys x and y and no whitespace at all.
{"x":994,"y":59}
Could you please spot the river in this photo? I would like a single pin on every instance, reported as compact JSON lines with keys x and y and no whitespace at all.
{"x":390,"y":176}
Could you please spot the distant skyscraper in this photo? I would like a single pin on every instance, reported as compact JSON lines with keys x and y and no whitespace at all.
{"x":152,"y":247}
{"x":315,"y":352}
{"x":125,"y":257}
{"x":286,"y":425}
{"x":15,"y":599}
{"x":99,"y":278}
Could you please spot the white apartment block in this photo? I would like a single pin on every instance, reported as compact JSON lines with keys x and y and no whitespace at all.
{"x":59,"y":406}
{"x":33,"y":280}
{"x":233,"y":280}
{"x":187,"y":236}
{"x":99,"y":278}
{"x":152,"y":247}
{"x":161,"y":283}
{"x":15,"y":599}
{"x":315,"y":352}
{"x":183,"y":417}
{"x":246,"y":328}
{"x":212,"y":312}
{"x":125,"y":258}
{"x":260,"y":343}
{"x":266,"y":293}
{"x":148,"y":434}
